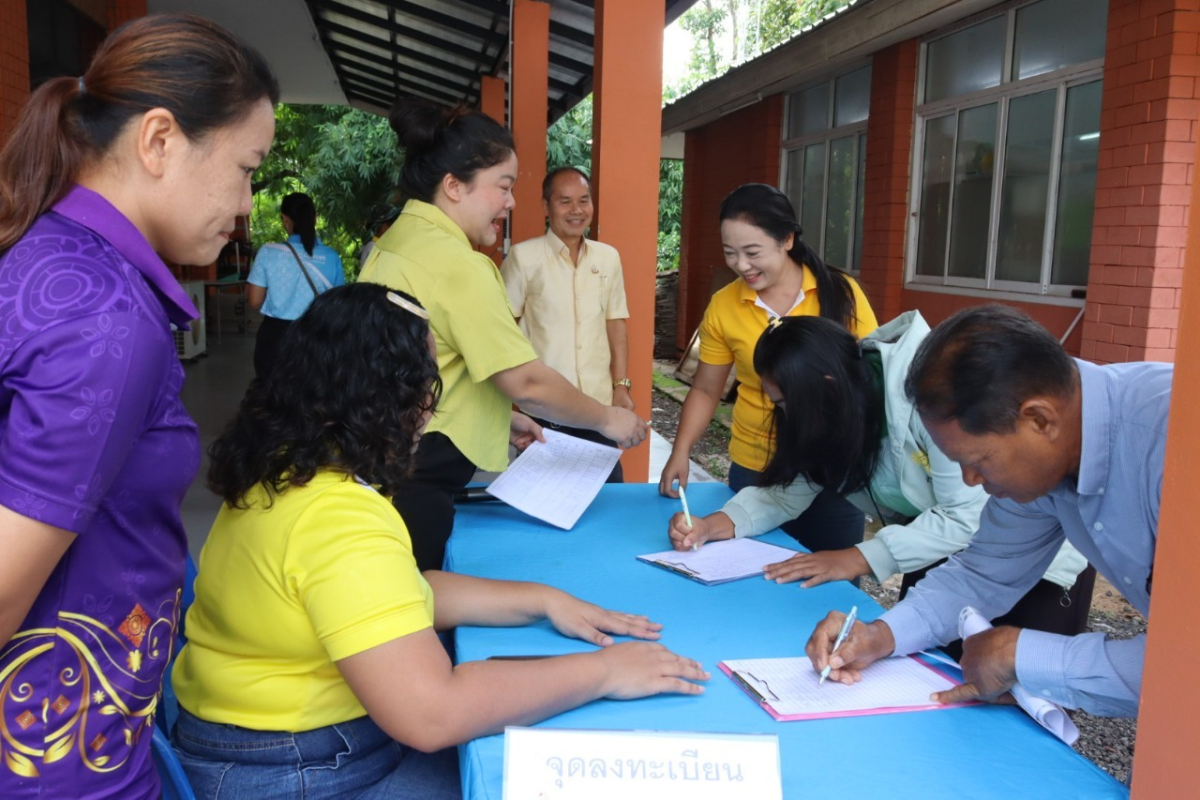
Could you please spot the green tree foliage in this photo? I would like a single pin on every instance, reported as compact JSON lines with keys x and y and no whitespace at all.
{"x":345,"y":158}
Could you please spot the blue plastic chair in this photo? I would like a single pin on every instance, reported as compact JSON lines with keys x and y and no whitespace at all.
{"x":175,"y":784}
{"x":174,"y":780}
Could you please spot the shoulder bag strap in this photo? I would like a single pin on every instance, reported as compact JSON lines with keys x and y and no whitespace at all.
{"x":303,"y":270}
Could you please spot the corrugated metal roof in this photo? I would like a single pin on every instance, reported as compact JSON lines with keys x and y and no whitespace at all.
{"x":439,"y":49}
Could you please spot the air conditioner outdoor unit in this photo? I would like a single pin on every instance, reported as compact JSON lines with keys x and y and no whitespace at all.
{"x":192,"y":344}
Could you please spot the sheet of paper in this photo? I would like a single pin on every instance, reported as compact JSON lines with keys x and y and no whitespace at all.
{"x":719,"y":562}
{"x":639,"y":765}
{"x":1049,"y":715}
{"x":557,"y":480}
{"x":790,"y":687}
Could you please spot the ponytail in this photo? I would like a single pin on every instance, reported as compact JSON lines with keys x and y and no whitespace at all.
{"x":41,"y":159}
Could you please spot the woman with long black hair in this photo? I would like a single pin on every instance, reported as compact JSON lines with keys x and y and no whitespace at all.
{"x":779,"y":275}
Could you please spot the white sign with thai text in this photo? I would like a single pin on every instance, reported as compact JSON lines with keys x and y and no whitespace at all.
{"x":639,"y":765}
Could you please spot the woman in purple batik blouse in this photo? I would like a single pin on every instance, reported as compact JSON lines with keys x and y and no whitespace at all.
{"x":149,"y":152}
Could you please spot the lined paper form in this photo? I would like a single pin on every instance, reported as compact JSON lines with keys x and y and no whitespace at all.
{"x":557,"y":480}
{"x":720,"y":562}
{"x":788,"y":688}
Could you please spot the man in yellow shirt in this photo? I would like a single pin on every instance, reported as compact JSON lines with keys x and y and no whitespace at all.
{"x":568,"y":294}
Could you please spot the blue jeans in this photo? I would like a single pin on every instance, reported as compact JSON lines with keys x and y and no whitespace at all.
{"x":830,"y":523}
{"x":351,"y":759}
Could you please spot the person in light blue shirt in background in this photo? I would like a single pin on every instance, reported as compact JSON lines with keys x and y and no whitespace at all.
{"x":1068,"y":450}
{"x":287,"y":277}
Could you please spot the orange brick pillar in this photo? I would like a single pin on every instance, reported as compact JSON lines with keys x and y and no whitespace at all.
{"x":121,"y":11}
{"x":1168,"y":737}
{"x":492,"y":98}
{"x":889,"y":145}
{"x":627,"y":146}
{"x":14,"y":64}
{"x":530,"y":87}
{"x":1143,"y":181}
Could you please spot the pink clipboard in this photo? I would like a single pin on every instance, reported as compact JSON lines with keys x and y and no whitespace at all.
{"x":765,"y":704}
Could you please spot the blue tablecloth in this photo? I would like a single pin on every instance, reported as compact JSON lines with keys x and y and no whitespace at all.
{"x":980,"y":751}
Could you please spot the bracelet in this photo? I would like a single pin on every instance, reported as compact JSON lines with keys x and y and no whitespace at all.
{"x":628,"y":384}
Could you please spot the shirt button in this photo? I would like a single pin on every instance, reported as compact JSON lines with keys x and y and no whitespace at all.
{"x":1128,"y":580}
{"x":1046,"y":692}
{"x":1101,"y":490}
{"x":1099,"y":526}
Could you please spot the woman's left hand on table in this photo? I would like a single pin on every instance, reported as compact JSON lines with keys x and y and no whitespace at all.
{"x":820,"y":567}
{"x":581,"y":620}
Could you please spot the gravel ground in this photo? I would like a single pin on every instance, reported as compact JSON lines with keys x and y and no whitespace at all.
{"x":1108,"y":743}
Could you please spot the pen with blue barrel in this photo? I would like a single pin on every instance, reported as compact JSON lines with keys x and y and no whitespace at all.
{"x":841,"y":637}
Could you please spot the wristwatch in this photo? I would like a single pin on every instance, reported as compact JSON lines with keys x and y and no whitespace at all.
{"x":628,"y":384}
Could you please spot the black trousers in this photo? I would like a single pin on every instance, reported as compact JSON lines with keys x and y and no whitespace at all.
{"x":426,"y":500}
{"x":1046,"y":607}
{"x":266,"y":344}
{"x":618,"y":474}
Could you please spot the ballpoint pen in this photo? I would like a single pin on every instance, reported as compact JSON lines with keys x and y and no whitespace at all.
{"x":841,"y":637}
{"x":687,"y":515}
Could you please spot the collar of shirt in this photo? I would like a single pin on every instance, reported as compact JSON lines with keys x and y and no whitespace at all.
{"x":434,"y":215}
{"x":92,"y":211}
{"x":1096,"y":437}
{"x":560,"y":248}
{"x":807,"y":284}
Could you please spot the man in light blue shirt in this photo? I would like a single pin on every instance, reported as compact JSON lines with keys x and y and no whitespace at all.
{"x":1066,"y":449}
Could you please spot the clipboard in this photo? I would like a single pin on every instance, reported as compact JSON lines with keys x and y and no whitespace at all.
{"x":780,"y":685}
{"x":720,"y":562}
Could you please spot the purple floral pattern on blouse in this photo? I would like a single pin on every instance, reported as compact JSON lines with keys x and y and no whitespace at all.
{"x":93,"y":439}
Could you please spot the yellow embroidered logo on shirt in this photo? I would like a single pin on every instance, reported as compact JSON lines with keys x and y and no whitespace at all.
{"x":921,"y":458}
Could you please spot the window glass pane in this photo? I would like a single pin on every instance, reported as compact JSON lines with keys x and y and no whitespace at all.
{"x":974,"y":159}
{"x":937,"y":169}
{"x":1023,"y":195}
{"x":839,"y":209}
{"x":858,"y":202}
{"x":1077,"y":186}
{"x":966,"y":61}
{"x":811,"y":205}
{"x":809,"y":111}
{"x":795,"y":177}
{"x":1041,"y":45}
{"x":852,"y":97}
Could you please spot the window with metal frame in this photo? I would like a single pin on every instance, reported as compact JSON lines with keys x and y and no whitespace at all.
{"x":823,"y":165}
{"x":1006,"y":150}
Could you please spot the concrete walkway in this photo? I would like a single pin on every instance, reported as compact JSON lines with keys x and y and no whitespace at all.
{"x":214,"y":388}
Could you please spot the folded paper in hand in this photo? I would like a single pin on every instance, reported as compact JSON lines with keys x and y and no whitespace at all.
{"x":1050,"y":716}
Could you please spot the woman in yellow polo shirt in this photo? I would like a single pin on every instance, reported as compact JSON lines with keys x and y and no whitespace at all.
{"x":458,"y":174}
{"x":779,"y":275}
{"x":313,"y":667}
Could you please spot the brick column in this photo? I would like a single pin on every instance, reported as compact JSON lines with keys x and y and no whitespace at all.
{"x":889,"y":145}
{"x":14,"y":63}
{"x":529,"y":88}
{"x":627,"y":137}
{"x":1143,"y":182}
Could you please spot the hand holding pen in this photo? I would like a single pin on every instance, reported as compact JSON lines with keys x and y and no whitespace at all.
{"x":841,"y":637}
